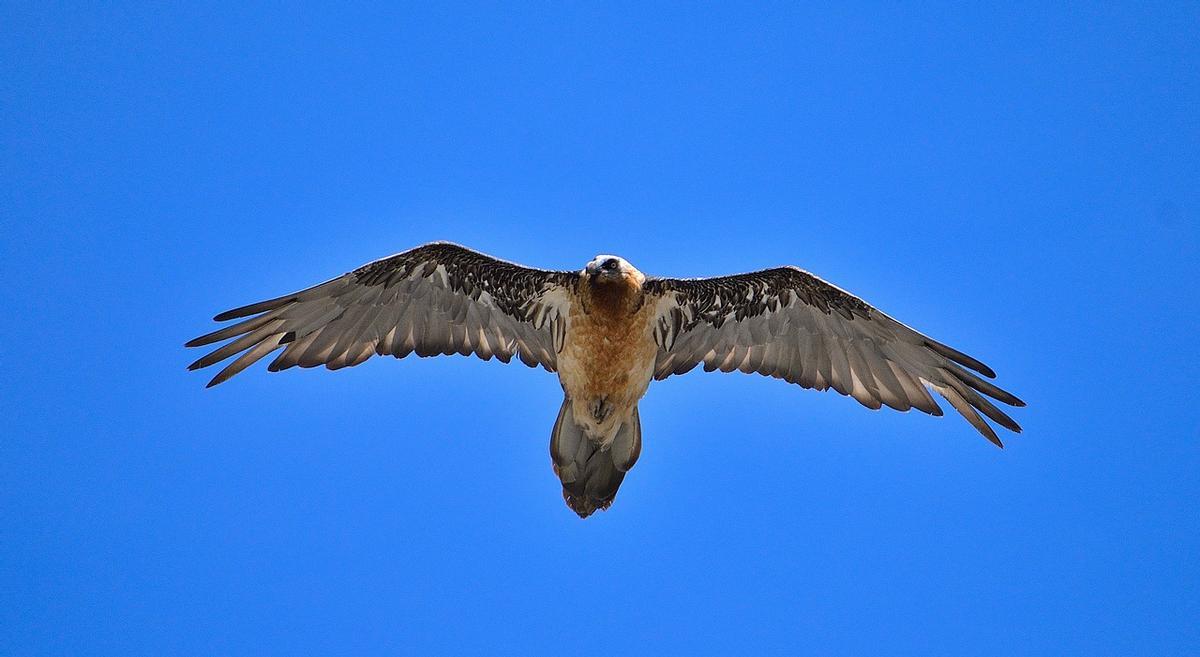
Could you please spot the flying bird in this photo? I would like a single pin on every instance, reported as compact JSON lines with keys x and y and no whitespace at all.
{"x":608,"y":330}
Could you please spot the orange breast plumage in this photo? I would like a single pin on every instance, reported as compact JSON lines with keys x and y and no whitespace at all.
{"x":608,"y":358}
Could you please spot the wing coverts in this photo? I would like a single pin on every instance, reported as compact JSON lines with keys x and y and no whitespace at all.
{"x":791,"y":325}
{"x":435,"y":299}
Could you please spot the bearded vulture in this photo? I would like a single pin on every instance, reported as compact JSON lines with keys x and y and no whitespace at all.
{"x":608,"y":330}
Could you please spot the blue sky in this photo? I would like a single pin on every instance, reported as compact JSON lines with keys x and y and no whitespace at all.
{"x":1018,"y":182}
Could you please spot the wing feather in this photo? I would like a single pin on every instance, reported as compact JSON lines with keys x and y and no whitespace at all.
{"x":435,"y":299}
{"x":789,"y":324}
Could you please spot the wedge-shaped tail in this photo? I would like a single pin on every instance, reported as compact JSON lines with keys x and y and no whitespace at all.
{"x":590,"y":474}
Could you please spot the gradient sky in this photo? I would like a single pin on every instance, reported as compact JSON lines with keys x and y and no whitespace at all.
{"x":1019,"y":183}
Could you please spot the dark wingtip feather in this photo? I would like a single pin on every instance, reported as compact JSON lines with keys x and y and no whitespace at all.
{"x":979,"y":402}
{"x":211,"y":358}
{"x":965,"y":408}
{"x":960,"y":358}
{"x":1003,"y":420}
{"x":988,"y":433}
{"x":986,"y":387}
{"x":242,"y":311}
{"x":254,"y":308}
{"x":231,"y":314}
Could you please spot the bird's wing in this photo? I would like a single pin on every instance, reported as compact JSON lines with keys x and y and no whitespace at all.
{"x":435,"y":299}
{"x":791,"y":325}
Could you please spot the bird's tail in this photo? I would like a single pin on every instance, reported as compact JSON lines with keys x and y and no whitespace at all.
{"x":590,"y":474}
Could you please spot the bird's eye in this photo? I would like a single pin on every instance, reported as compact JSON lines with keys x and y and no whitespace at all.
{"x":610,"y":264}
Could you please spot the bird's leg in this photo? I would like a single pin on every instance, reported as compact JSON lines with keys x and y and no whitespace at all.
{"x":600,"y":409}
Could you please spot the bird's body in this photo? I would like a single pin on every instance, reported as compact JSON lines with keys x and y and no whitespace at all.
{"x":608,"y":331}
{"x":607,"y":362}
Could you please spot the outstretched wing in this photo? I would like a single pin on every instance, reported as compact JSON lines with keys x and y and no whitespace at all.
{"x":791,"y":325}
{"x":438,"y":298}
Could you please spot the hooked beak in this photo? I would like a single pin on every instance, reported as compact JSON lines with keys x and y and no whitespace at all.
{"x":605,"y":275}
{"x":597,"y":271}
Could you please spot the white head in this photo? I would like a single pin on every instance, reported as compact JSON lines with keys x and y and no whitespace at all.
{"x":609,"y":268}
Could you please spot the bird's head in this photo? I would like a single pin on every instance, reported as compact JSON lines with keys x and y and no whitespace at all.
{"x":604,"y":269}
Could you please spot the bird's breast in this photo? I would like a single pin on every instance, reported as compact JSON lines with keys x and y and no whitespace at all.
{"x":606,"y":365}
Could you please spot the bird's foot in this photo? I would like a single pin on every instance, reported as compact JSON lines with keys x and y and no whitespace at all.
{"x":600,"y":409}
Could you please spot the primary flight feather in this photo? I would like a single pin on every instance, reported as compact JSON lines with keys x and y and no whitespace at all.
{"x":608,"y":330}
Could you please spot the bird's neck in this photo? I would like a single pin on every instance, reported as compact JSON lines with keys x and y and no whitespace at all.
{"x":613,"y":299}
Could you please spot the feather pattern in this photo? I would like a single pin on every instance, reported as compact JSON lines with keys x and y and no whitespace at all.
{"x":435,"y":299}
{"x":789,"y":324}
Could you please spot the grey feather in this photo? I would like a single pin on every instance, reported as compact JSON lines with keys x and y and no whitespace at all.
{"x":435,"y":299}
{"x":269,"y":344}
{"x":789,"y":324}
{"x":591,"y":474}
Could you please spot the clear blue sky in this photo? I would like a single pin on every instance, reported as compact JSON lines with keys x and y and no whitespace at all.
{"x":1017,"y":182}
